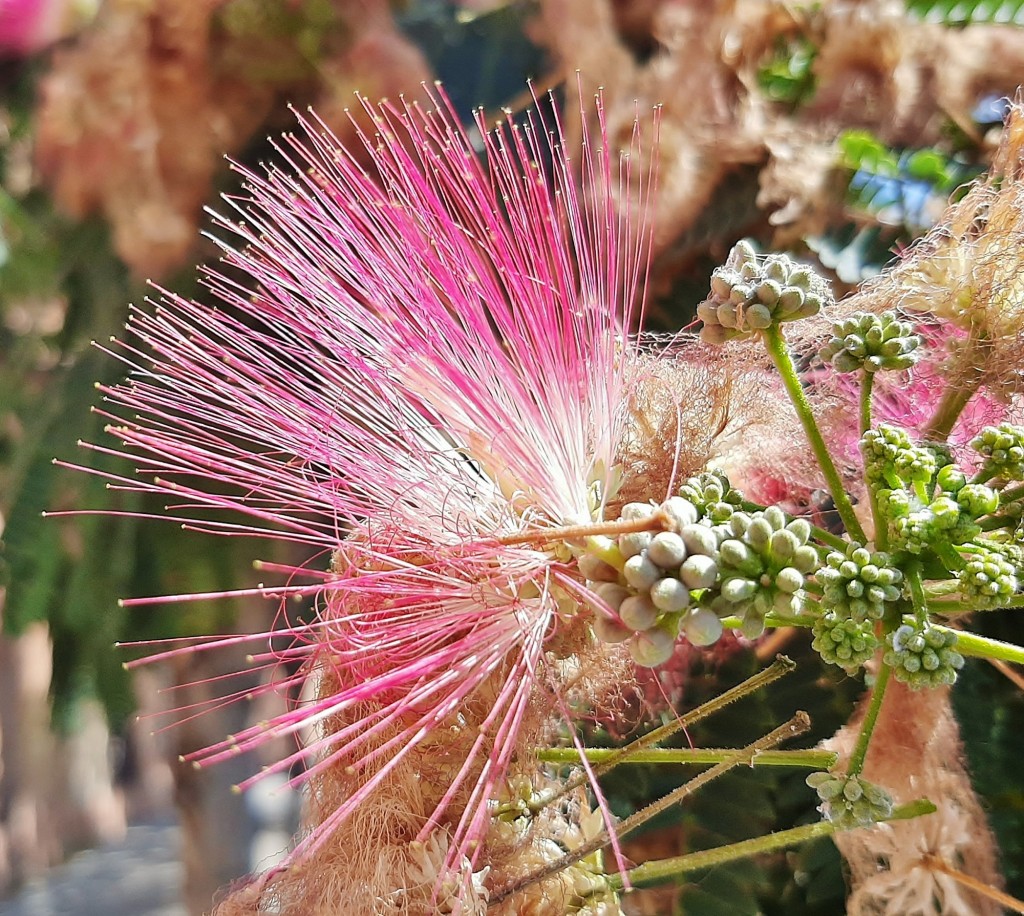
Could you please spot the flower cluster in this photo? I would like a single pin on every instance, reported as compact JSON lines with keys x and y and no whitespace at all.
{"x":749,"y":294}
{"x":872,"y":343}
{"x":427,"y":384}
{"x":851,"y":801}
{"x":922,"y":655}
{"x":431,"y":386}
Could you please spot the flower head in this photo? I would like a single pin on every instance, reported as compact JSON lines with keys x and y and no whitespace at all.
{"x":426,"y":370}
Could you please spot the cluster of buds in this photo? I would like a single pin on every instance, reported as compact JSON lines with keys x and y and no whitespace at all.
{"x":712,"y":561}
{"x":871,"y":342}
{"x":750,"y":293}
{"x":925,"y":500}
{"x":922,"y":655}
{"x":988,"y":579}
{"x":859,"y":584}
{"x":650,"y":579}
{"x":539,"y":828}
{"x":1002,"y":447}
{"x":850,"y":801}
{"x":844,"y":641}
{"x":714,"y":496}
{"x":763,"y":561}
{"x":892,"y":460}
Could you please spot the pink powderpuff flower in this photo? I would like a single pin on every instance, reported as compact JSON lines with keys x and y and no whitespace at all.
{"x":428,"y":366}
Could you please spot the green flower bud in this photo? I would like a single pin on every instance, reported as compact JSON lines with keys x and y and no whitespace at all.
{"x":988,"y":579}
{"x":844,"y":641}
{"x":858,"y":585}
{"x":850,"y":802}
{"x":871,"y":342}
{"x":922,"y":655}
{"x":748,"y":295}
{"x":976,"y":500}
{"x":1003,"y":448}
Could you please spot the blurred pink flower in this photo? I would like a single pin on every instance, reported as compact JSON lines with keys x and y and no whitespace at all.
{"x":29,"y":25}
{"x":433,"y":360}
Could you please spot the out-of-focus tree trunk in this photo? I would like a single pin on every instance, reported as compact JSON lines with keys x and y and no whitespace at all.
{"x":28,"y":839}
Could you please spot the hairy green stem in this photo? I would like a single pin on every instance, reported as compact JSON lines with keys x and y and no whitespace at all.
{"x":771,"y":620}
{"x":775,"y":343}
{"x":867,"y":383}
{"x":958,"y":606}
{"x":780,"y":667}
{"x":860,"y":750}
{"x":796,"y":726}
{"x":688,"y":756}
{"x":880,"y":525}
{"x":666,"y":871}
{"x":982,"y":647}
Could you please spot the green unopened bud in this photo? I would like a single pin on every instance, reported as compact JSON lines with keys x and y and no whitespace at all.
{"x":749,"y":294}
{"x":922,"y":655}
{"x":871,"y":342}
{"x":850,"y":802}
{"x":1003,"y":448}
{"x":844,"y":641}
{"x":988,"y":579}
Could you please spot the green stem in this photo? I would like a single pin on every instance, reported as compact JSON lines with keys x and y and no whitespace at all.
{"x":956,"y":606}
{"x":781,"y":666}
{"x":666,"y":871}
{"x":770,"y":620}
{"x":860,"y":751}
{"x":798,"y":725}
{"x":880,"y":525}
{"x":917,"y":592}
{"x":866,"y":384}
{"x":982,"y":647}
{"x":775,"y":343}
{"x":701,"y":756}
{"x":951,"y":405}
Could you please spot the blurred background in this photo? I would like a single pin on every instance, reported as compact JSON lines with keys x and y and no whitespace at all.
{"x":833,"y":129}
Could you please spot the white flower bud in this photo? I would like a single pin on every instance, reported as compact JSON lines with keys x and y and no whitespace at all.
{"x":670,"y":595}
{"x":699,"y":571}
{"x":667,"y":550}
{"x":699,"y":539}
{"x":638,"y":612}
{"x":652,"y":647}
{"x":640,"y":572}
{"x":702,"y":627}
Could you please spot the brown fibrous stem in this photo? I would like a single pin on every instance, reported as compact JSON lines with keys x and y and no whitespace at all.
{"x":934,"y":863}
{"x":955,"y":398}
{"x":659,"y":521}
